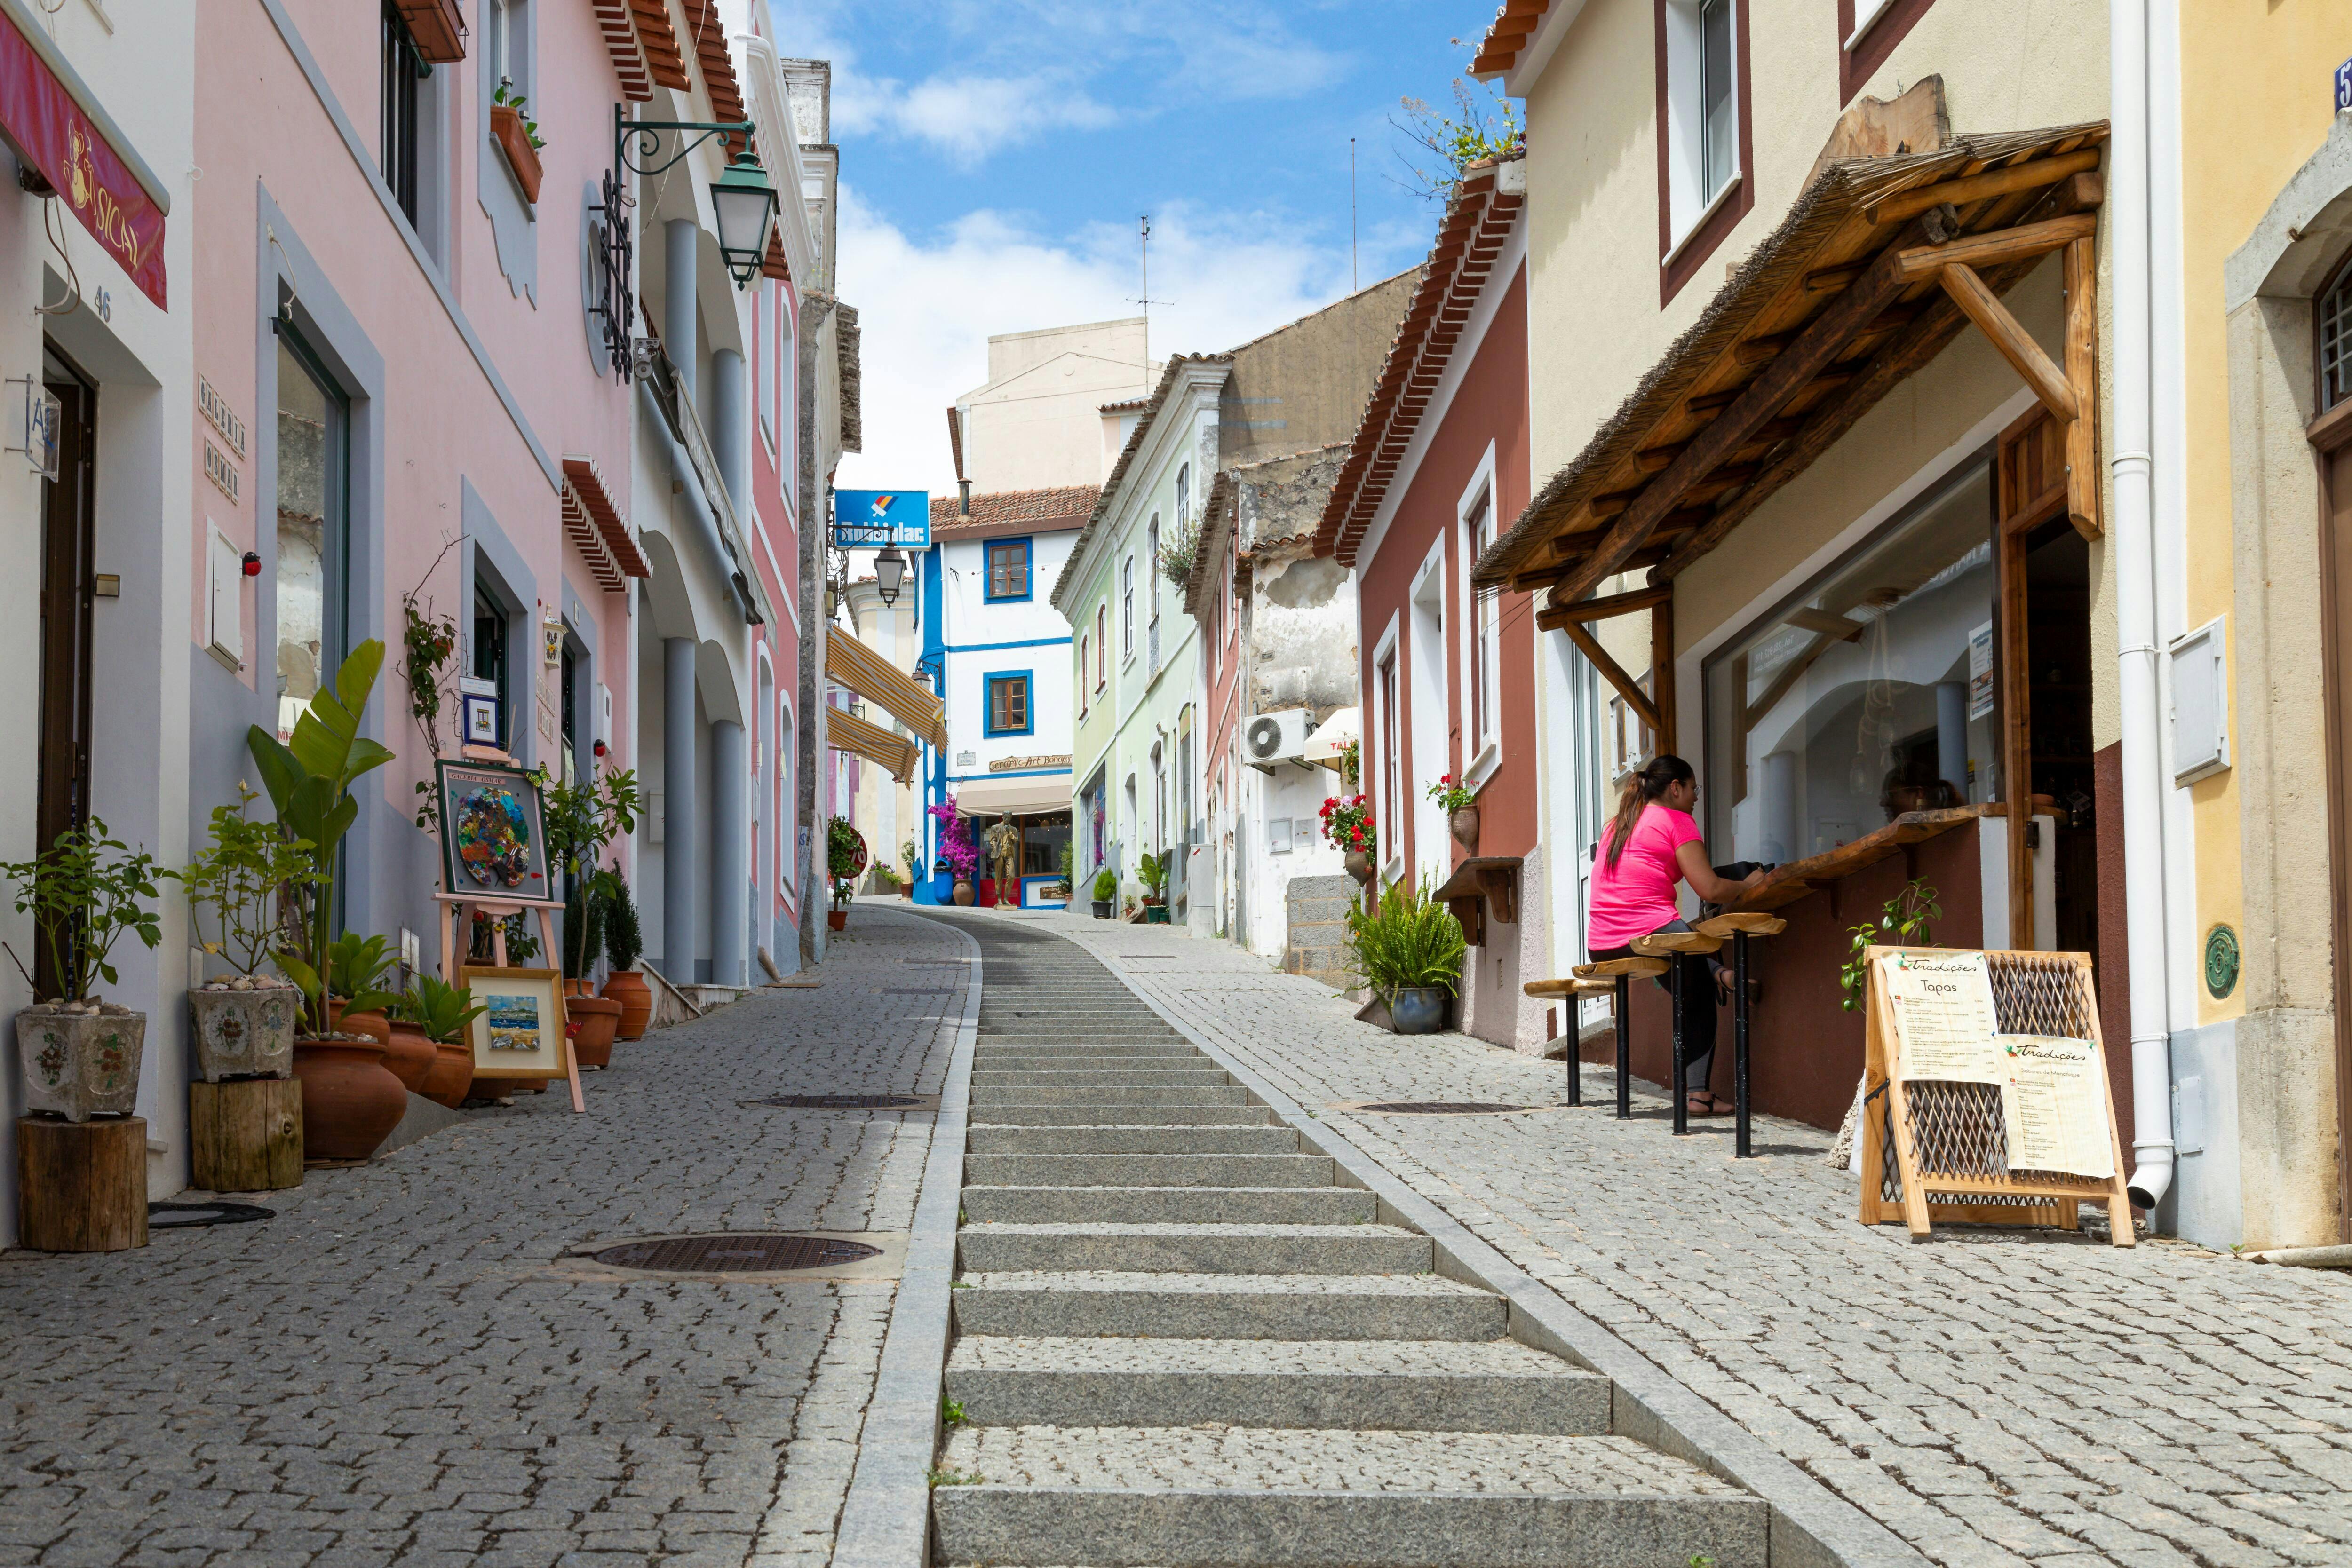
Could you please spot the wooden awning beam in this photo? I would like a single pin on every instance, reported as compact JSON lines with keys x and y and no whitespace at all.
{"x":1614,"y":673}
{"x":1977,"y":187}
{"x":2015,"y":344}
{"x":2021,"y":242}
{"x":1555,"y":614}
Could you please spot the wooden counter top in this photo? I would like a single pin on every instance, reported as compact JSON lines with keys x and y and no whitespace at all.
{"x":1792,"y":880}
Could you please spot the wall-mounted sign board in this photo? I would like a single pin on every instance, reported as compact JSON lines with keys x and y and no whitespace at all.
{"x":873,"y":519}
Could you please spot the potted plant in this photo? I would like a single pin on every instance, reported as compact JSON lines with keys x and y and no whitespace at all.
{"x":1106,"y":893}
{"x":444,"y":1013}
{"x":842,"y":849}
{"x":581,"y":819}
{"x":913,"y":854}
{"x":957,"y":849}
{"x":595,"y":1020}
{"x":244,"y":1022}
{"x":1348,"y":824}
{"x":85,"y":892}
{"x":1409,"y":948}
{"x":358,"y":1003}
{"x":624,"y":945}
{"x":1152,"y":870}
{"x":349,"y":1101}
{"x":518,"y":136}
{"x":1460,"y":805}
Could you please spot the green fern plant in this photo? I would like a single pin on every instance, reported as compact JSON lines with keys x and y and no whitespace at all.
{"x":1405,"y":940}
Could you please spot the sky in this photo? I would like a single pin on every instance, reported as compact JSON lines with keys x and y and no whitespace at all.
{"x":995,"y":155}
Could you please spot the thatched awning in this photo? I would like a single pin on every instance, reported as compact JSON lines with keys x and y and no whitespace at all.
{"x":1877,"y":266}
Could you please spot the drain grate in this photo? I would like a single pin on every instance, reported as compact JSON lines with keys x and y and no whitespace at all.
{"x":1440,"y":1108}
{"x":850,"y":1101}
{"x":737,"y":1254}
{"x":187,"y":1216}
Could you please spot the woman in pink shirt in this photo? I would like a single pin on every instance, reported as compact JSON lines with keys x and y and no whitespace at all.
{"x":1652,"y":844}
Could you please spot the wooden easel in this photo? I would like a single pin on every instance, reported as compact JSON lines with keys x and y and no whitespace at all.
{"x":1948,"y":1138}
{"x":465,"y":906}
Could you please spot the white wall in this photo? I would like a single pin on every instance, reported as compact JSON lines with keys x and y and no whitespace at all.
{"x":1040,"y":640}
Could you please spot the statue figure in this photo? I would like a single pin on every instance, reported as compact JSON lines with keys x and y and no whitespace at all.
{"x":1004,"y":842}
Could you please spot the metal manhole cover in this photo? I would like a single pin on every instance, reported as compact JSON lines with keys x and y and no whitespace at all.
{"x":186,"y":1215}
{"x":738,"y":1254}
{"x":1440,"y":1108}
{"x":850,"y":1101}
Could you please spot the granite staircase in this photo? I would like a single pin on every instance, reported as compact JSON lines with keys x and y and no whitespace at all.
{"x":1181,"y":1338}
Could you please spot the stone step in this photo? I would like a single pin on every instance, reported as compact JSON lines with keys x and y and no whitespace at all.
{"x":1228,"y":1306}
{"x":1191,"y":1114}
{"x":1166,"y":1170}
{"x":1105,"y":1137}
{"x":1079,"y":1077}
{"x":1144,"y":1037}
{"x":1125,"y":1497}
{"x":1197,"y":1249}
{"x":1108,"y":1094}
{"x":1000,"y":1057}
{"x":1441,"y":1386}
{"x":1168,"y":1205}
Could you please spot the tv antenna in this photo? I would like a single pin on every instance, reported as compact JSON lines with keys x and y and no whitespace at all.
{"x":1143,"y":225}
{"x":1353,"y":283}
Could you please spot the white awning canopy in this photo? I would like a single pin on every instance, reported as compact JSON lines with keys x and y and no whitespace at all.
{"x":1027,"y":795}
{"x":1333,"y":736}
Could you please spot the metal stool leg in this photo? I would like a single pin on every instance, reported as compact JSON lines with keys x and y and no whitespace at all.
{"x":1741,"y":1150}
{"x":1624,"y":1049}
{"x":1570,"y":1008}
{"x":1675,"y":1088}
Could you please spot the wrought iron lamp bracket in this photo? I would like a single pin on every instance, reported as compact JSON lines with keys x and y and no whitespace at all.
{"x":646,"y":135}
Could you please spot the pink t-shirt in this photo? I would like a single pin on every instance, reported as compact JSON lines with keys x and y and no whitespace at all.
{"x":1638,"y":896}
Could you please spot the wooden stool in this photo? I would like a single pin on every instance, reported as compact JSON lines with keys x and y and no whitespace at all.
{"x":81,"y":1187}
{"x":1681,"y":944}
{"x":1739,"y":928}
{"x":1569,"y":990}
{"x":245,"y":1135}
{"x":1617,"y":974}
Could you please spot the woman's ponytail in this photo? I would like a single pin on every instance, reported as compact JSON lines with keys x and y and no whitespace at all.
{"x":1659,"y":774}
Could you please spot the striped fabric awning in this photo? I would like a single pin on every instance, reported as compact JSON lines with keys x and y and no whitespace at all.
{"x":878,"y":680}
{"x":844,"y":731}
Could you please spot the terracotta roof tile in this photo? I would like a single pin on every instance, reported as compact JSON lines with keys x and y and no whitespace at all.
{"x":1513,"y":25}
{"x":1061,"y":507}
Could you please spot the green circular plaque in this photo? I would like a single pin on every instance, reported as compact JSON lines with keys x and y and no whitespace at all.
{"x":2220,"y":961}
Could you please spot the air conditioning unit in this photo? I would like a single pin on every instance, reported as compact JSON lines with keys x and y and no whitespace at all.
{"x":1269,"y":739}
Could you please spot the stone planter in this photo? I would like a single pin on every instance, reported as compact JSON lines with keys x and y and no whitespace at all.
{"x":246,"y":1033}
{"x":1463,"y":825}
{"x":82,"y":1063}
{"x":408,"y":1056}
{"x":963,"y":894}
{"x":507,"y":130}
{"x":1418,"y":1010}
{"x":1359,"y":864}
{"x":351,"y":1102}
{"x":628,"y":987}
{"x":599,"y":1020}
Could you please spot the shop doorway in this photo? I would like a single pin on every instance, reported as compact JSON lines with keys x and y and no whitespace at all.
{"x":69,"y":596}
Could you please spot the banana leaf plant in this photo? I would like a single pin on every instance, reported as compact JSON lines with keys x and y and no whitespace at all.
{"x":309,"y":779}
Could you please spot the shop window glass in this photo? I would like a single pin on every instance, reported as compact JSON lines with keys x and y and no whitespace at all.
{"x":309,"y":529}
{"x":1869,"y":696}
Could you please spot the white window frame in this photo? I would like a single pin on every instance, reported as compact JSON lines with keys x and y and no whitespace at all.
{"x":1690,"y":202}
{"x":1866,"y":14}
{"x":1386,"y":768}
{"x":1127,"y":610}
{"x":1481,"y":633}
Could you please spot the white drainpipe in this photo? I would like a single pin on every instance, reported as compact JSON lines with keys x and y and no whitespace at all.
{"x":2132,"y":536}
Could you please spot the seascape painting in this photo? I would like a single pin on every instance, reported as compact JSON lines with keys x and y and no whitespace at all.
{"x":514,"y":1022}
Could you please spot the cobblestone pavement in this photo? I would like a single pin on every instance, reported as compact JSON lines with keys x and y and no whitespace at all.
{"x":1994,"y":1397}
{"x":393,"y":1371}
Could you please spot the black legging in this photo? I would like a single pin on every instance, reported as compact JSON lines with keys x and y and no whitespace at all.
{"x":1698,"y":1006}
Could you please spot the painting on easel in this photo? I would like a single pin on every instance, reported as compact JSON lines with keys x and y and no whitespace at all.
{"x":493,"y":842}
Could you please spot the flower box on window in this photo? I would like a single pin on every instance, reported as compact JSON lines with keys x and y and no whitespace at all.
{"x":514,"y":139}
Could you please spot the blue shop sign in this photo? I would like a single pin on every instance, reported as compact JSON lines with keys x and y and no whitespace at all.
{"x":870,"y":520}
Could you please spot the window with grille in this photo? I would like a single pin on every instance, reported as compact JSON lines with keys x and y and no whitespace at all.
{"x":1008,"y":705}
{"x":2335,"y":338}
{"x":1008,"y":569}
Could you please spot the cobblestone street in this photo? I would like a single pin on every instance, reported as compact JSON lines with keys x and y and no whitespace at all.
{"x":397,"y":1369}
{"x":1994,"y":1398}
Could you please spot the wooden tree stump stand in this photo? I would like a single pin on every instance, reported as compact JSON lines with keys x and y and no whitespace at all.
{"x":81,"y":1187}
{"x":246,"y":1135}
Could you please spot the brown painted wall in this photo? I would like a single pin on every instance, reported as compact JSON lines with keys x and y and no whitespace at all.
{"x":1804,"y":1051}
{"x":2112,"y":960}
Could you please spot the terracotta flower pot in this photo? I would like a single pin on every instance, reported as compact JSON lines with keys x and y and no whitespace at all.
{"x":451,"y":1074}
{"x":628,"y":987}
{"x":514,"y":140}
{"x":375,"y":1026}
{"x":81,"y":1059}
{"x":245,"y":1034}
{"x":351,"y":1102}
{"x":1359,"y":864}
{"x":408,"y":1056}
{"x":1463,"y":825}
{"x":599,"y":1017}
{"x":963,"y":894}
{"x":836,"y":919}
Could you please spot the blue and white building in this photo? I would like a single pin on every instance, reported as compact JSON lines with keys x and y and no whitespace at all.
{"x":999,"y":654}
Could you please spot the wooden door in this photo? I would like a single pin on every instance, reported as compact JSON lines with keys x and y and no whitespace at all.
{"x":2028,"y":492}
{"x":68,"y":588}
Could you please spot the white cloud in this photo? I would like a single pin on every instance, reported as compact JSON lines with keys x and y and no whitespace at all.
{"x":927,"y":309}
{"x":970,"y":117}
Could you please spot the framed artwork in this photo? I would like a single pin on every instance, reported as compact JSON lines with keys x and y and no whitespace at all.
{"x":520,"y":1032}
{"x":480,"y":718}
{"x":493,"y":842}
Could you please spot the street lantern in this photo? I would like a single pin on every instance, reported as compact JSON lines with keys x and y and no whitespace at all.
{"x":890,"y":574}
{"x":746,"y":203}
